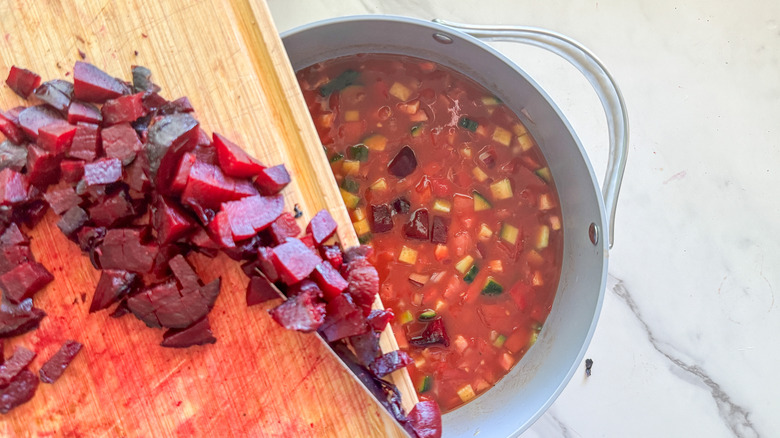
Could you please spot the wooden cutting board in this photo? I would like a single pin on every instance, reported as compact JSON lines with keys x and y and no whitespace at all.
{"x":258,"y":379}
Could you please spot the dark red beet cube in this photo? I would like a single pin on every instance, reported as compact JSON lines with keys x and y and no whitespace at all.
{"x":72,"y":170}
{"x":84,"y":112}
{"x":403,"y":164}
{"x":272,"y":180}
{"x":183,"y":172}
{"x":91,"y":84}
{"x":55,"y":366}
{"x":180,"y":105}
{"x":390,"y":362}
{"x":329,"y":280}
{"x":252,"y":214}
{"x":43,"y":167}
{"x":283,"y":227}
{"x":72,"y":221}
{"x":12,"y":156}
{"x":103,"y":171}
{"x":19,"y":319}
{"x":123,"y":109}
{"x":86,"y":142}
{"x":62,"y":198}
{"x":112,"y":210}
{"x":439,"y":229}
{"x":355,"y":253}
{"x":136,"y":179}
{"x":381,"y":218}
{"x":434,"y":333}
{"x":198,"y":333}
{"x":14,"y":187}
{"x":24,"y":281}
{"x":294,"y":261}
{"x":201,"y":241}
{"x":12,"y":235}
{"x":378,"y":319}
{"x":33,"y":118}
{"x":184,"y":274}
{"x":233,"y":160}
{"x":418,"y":225}
{"x":265,"y":259}
{"x":363,"y":284}
{"x":15,"y":364}
{"x":57,"y":137}
{"x":425,"y":419}
{"x":22,"y":81}
{"x":167,"y":306}
{"x":19,"y":391}
{"x":343,"y":319}
{"x":366,"y":347}
{"x":300,"y":312}
{"x":333,"y":254}
{"x":259,"y":290}
{"x":57,"y":93}
{"x":13,"y":256}
{"x":209,"y":187}
{"x":121,"y":142}
{"x":10,"y":128}
{"x":321,"y":227}
{"x":122,"y":249}
{"x":220,"y":231}
{"x":112,"y":286}
{"x":170,"y":221}
{"x":168,"y":138}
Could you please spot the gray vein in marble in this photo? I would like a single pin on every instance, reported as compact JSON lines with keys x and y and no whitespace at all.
{"x":736,"y":417}
{"x":565,"y":432}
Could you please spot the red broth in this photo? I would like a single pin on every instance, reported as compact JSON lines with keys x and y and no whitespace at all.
{"x":455,"y":196}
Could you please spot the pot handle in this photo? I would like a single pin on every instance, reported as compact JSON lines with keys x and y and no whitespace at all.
{"x":598,"y":76}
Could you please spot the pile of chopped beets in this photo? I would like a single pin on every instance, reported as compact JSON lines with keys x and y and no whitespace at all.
{"x":138,"y":185}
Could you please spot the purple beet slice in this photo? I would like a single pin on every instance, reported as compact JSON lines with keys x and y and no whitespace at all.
{"x":72,"y":170}
{"x":233,"y":160}
{"x":184,"y":274}
{"x":56,"y":365}
{"x":300,"y":312}
{"x":378,"y":319}
{"x":123,"y":109}
{"x":31,"y":119}
{"x":57,"y":93}
{"x":294,"y":261}
{"x":12,"y":156}
{"x":333,"y":254}
{"x":14,"y":187}
{"x":9,"y":126}
{"x":403,"y":164}
{"x":13,"y":256}
{"x":283,"y":227}
{"x":112,"y":286}
{"x":363,"y":282}
{"x":112,"y":209}
{"x":57,"y":137}
{"x":22,"y":81}
{"x":84,"y":112}
{"x":12,"y":235}
{"x":208,"y":187}
{"x":121,"y":142}
{"x":24,"y":281}
{"x":198,"y":333}
{"x":425,"y":419}
{"x":252,"y":214}
{"x":43,"y":167}
{"x":439,"y":229}
{"x":62,"y":198}
{"x":86,"y":142}
{"x":259,"y":290}
{"x":19,"y":391}
{"x":321,"y":227}
{"x":122,"y":249}
{"x":220,"y":231}
{"x":19,"y":319}
{"x":390,"y":362}
{"x":72,"y":221}
{"x":168,"y":138}
{"x":343,"y":319}
{"x":433,"y":334}
{"x":381,"y":218}
{"x":329,"y":280}
{"x":366,"y":347}
{"x":15,"y":364}
{"x":91,"y":84}
{"x":170,"y":221}
{"x":103,"y":171}
{"x":272,"y":180}
{"x":266,"y":264}
{"x":418,"y":225}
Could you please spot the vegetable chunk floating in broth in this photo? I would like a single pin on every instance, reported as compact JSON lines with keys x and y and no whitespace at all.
{"x":452,"y":191}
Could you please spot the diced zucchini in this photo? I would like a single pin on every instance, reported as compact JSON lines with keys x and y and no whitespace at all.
{"x":400,"y":91}
{"x":464,"y":264}
{"x":336,"y":157}
{"x":427,"y":315}
{"x":406,"y":317}
{"x":350,"y":185}
{"x":509,"y":233}
{"x":534,"y":338}
{"x":408,"y":256}
{"x":542,"y":237}
{"x":499,"y":341}
{"x":376,"y":142}
{"x":379,"y":184}
{"x":348,"y":77}
{"x":350,"y":200}
{"x":365,"y":238}
{"x":519,"y":129}
{"x":502,"y":136}
{"x":425,"y":384}
{"x":467,"y":123}
{"x":361,"y":227}
{"x":480,"y":202}
{"x":352,"y":116}
{"x":466,"y":393}
{"x":545,"y":202}
{"x":491,"y":101}
{"x":525,"y":142}
{"x":492,"y":287}
{"x":484,"y":233}
{"x":442,"y":205}
{"x":544,"y":173}
{"x":416,"y":130}
{"x":350,"y":167}
{"x":501,"y":189}
{"x":479,"y":174}
{"x":358,"y":152}
{"x":358,"y":214}
{"x":471,"y":274}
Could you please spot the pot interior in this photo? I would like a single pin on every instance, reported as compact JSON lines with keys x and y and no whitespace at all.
{"x":532,"y":385}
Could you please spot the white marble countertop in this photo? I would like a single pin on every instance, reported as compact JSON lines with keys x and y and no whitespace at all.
{"x":687,"y":341}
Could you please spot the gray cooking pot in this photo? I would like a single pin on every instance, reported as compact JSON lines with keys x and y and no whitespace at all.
{"x":530,"y":388}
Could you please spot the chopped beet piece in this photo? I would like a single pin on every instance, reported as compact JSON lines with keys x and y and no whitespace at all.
{"x":164,"y":305}
{"x":24,"y":281}
{"x":72,"y":220}
{"x":265,"y":258}
{"x":381,"y":218}
{"x":418,"y":225}
{"x":170,"y":221}
{"x":35,"y":117}
{"x":207,"y":186}
{"x":55,"y":366}
{"x":363,"y":284}
{"x":259,"y":290}
{"x":283,"y":227}
{"x":22,"y":81}
{"x":300,"y":312}
{"x":425,"y":419}
{"x":198,"y":333}
{"x":136,"y":178}
{"x":343,"y":319}
{"x":12,"y":156}
{"x":10,"y":128}
{"x":333,"y":254}
{"x":20,"y":390}
{"x":252,"y":214}
{"x":123,"y":109}
{"x":14,"y":187}
{"x":294,"y":261}
{"x":202,"y":242}
{"x":180,"y":105}
{"x":62,"y":198}
{"x":220,"y":231}
{"x":43,"y":167}
{"x":184,"y":274}
{"x":112,"y":286}
{"x":247,"y":249}
{"x":91,"y":84}
{"x":13,"y":256}
{"x":142,"y":80}
{"x":15,"y":364}
{"x":84,"y":112}
{"x":366,"y":347}
{"x":308,"y":240}
{"x":32,"y":212}
{"x":169,"y":137}
{"x":378,"y":319}
{"x":439,"y":229}
{"x":122,"y":249}
{"x":12,"y":235}
{"x":272,"y":180}
{"x":206,"y":152}
{"x":57,"y":137}
{"x":112,"y":210}
{"x":361,"y":252}
{"x":329,"y":280}
{"x":103,"y":171}
{"x":390,"y":362}
{"x":72,"y":170}
{"x":57,"y":93}
{"x":434,"y":333}
{"x":321,"y":226}
{"x":120,"y":310}
{"x":121,"y":142}
{"x":183,"y":172}
{"x":403,"y":164}
{"x":233,"y":160}
{"x":18,"y":319}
